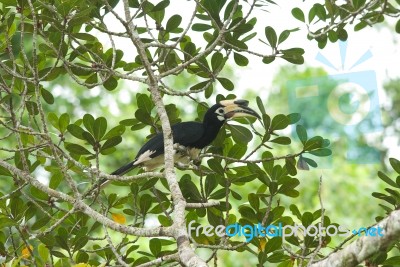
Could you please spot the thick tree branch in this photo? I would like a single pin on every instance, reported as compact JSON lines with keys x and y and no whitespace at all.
{"x":366,"y":246}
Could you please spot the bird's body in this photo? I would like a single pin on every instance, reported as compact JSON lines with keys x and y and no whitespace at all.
{"x":189,"y":137}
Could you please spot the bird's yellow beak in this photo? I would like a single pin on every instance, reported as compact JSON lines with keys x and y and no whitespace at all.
{"x":238,"y":108}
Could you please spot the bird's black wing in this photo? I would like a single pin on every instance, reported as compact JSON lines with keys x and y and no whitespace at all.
{"x":184,"y":133}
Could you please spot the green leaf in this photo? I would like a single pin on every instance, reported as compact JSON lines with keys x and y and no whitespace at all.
{"x":298,"y":14}
{"x":240,"y":134}
{"x":293,"y":58}
{"x":307,"y":219}
{"x":116,"y":131}
{"x":189,"y":189}
{"x":145,"y":203}
{"x":43,"y":252}
{"x":63,"y":122}
{"x":395,"y":164}
{"x":53,"y":119}
{"x":271,"y":36}
{"x":47,"y":96}
{"x":226,"y":83}
{"x":216,"y":61}
{"x":323,"y":152}
{"x":160,"y":6}
{"x":99,"y":128}
{"x":88,"y":122}
{"x":112,"y":142}
{"x":311,"y":162}
{"x":279,"y":122}
{"x":260,"y":105}
{"x":268,"y":59}
{"x":392,"y":261}
{"x":387,"y":180}
{"x":282,"y":140}
{"x":313,"y":143}
{"x":237,"y":151}
{"x":173,"y":23}
{"x":397,"y":28}
{"x":294,"y":118}
{"x":91,"y":81}
{"x":201,"y":27}
{"x":342,"y":34}
{"x":240,"y":60}
{"x":6,"y":222}
{"x":210,"y":184}
{"x":273,"y":244}
{"x":155,"y":246}
{"x":296,"y":212}
{"x":215,"y":165}
{"x":110,"y":84}
{"x":77,"y":149}
{"x":283,"y":36}
{"x":32,"y":107}
{"x":301,"y":133}
{"x":76,"y":131}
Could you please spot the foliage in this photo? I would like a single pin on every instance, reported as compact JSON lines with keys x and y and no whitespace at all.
{"x":52,"y":160}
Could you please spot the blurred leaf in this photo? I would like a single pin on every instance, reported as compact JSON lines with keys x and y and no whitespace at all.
{"x":294,"y":118}
{"x":387,"y":180}
{"x":155,"y":246}
{"x":26,"y":252}
{"x":398,"y":26}
{"x":118,"y":218}
{"x":395,"y":164}
{"x":301,"y":133}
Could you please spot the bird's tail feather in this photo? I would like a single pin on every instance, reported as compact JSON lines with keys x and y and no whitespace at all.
{"x":124,"y":169}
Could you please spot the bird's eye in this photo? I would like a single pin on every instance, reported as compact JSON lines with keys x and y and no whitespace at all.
{"x":220,"y":111}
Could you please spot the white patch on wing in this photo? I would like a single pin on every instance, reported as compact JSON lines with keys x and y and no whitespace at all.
{"x":181,"y":154}
{"x":144,"y":157}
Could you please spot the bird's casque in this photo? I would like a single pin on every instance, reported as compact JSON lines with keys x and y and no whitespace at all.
{"x":189,"y":137}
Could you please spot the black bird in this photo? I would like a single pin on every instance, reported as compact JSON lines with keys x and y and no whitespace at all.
{"x":189,"y":137}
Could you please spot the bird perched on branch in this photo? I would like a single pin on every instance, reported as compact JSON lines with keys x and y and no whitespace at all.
{"x":189,"y":137}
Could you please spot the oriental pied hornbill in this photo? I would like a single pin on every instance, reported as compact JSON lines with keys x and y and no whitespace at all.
{"x":189,"y":137}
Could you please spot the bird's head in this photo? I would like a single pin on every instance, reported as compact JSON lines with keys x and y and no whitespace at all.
{"x":229,"y":109}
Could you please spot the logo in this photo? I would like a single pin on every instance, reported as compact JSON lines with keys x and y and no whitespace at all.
{"x":341,"y":106}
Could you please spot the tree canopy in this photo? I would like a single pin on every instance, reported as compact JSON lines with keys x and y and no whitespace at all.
{"x":85,"y":83}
